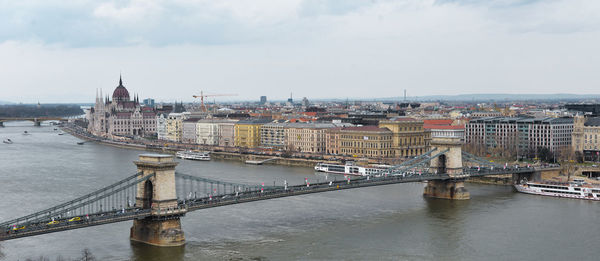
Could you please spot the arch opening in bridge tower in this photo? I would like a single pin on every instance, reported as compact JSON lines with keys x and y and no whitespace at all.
{"x":148,"y":193}
{"x":442,"y":164}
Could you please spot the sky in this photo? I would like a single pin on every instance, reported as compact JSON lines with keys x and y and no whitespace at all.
{"x":64,"y":50}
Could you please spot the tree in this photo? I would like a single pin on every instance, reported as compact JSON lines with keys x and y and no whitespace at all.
{"x":86,"y":255}
{"x":546,"y":155}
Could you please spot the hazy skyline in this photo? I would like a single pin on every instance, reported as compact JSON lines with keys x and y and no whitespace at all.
{"x":54,"y":51}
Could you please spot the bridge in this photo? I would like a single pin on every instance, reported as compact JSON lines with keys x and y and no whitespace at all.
{"x":36,"y":120}
{"x":157,"y":196}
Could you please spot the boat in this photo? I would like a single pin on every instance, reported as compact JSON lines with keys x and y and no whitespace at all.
{"x":26,"y":133}
{"x":62,"y":133}
{"x":350,"y":168}
{"x":8,"y":141}
{"x":193,"y":155}
{"x":80,"y":143}
{"x":577,"y":189}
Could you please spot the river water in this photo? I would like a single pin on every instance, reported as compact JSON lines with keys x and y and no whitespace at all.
{"x":391,"y":222}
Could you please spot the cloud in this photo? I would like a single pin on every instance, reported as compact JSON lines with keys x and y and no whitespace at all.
{"x":89,"y":23}
{"x":172,"y":49}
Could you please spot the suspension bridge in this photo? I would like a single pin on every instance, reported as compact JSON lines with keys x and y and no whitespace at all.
{"x":157,"y":196}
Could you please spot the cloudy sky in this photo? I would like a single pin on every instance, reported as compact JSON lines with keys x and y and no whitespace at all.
{"x":63,"y":50}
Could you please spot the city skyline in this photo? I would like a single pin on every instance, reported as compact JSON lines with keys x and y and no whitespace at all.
{"x":315,"y":49}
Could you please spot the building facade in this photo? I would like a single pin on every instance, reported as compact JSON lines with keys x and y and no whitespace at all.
{"x":409,"y":137}
{"x":247,"y":133}
{"x":207,"y":132}
{"x":366,"y":141}
{"x":174,"y":126}
{"x":585,"y":137}
{"x":525,"y":135}
{"x":227,"y":133}
{"x":272,"y":135}
{"x":189,"y":134}
{"x":308,"y":137}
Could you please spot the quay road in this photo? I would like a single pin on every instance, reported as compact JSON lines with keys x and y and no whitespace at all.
{"x":256,"y":193}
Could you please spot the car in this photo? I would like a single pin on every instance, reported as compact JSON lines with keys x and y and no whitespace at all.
{"x":75,"y":219}
{"x":15,"y":228}
{"x":53,"y":222}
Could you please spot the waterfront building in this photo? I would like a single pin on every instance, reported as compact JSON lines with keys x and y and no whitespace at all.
{"x":308,"y":137}
{"x":209,"y":133}
{"x":525,"y":135}
{"x":585,"y":137}
{"x":227,"y":133}
{"x":121,"y":116}
{"x":161,"y":126}
{"x":366,"y":141}
{"x":174,"y":126}
{"x":272,"y":135}
{"x":409,"y":137}
{"x":332,"y":141}
{"x":247,"y":132}
{"x":189,"y":134}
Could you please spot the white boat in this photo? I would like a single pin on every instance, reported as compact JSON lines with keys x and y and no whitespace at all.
{"x":8,"y":141}
{"x":193,"y":155}
{"x":577,"y":189}
{"x":351,"y":169}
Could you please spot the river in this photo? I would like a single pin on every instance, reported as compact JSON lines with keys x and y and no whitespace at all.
{"x":391,"y":222}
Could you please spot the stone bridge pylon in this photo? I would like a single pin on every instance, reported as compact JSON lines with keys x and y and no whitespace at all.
{"x":451,"y":163}
{"x":158,"y":193}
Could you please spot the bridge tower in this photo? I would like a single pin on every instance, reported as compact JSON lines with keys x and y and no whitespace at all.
{"x":158,"y":193}
{"x":450,"y":163}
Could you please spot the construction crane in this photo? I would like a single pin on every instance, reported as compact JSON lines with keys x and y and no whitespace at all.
{"x":202,"y":95}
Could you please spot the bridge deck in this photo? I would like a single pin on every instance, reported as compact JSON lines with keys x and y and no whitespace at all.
{"x":240,"y":197}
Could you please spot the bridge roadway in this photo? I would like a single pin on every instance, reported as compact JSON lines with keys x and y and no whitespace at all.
{"x":184,"y":206}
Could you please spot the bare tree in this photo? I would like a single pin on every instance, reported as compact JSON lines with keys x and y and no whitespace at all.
{"x":86,"y":255}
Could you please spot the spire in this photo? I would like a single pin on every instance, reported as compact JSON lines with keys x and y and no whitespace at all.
{"x":120,"y":80}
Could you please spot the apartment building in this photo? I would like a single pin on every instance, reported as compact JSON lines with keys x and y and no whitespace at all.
{"x":247,"y":132}
{"x":366,"y":141}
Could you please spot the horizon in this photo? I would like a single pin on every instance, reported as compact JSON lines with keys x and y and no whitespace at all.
{"x":427,"y":98}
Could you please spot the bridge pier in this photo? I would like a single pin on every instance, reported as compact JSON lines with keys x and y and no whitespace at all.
{"x":163,"y":227}
{"x":446,"y":189}
{"x":37,"y":123}
{"x":449,"y":163}
{"x":1,"y":124}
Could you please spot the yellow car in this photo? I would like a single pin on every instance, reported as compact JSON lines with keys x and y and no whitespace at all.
{"x":75,"y":219}
{"x":53,"y":222}
{"x":18,"y":228}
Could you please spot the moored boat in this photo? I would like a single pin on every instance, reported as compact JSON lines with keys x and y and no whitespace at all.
{"x":350,"y":169}
{"x":577,"y":189}
{"x":193,"y":155}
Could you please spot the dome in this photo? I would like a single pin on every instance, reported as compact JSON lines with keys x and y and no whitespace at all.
{"x":120,"y":93}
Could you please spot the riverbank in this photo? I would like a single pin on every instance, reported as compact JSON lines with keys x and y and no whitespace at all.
{"x":233,"y":156}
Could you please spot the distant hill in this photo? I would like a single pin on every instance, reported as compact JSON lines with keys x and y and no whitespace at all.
{"x":5,"y":102}
{"x":498,"y":97}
